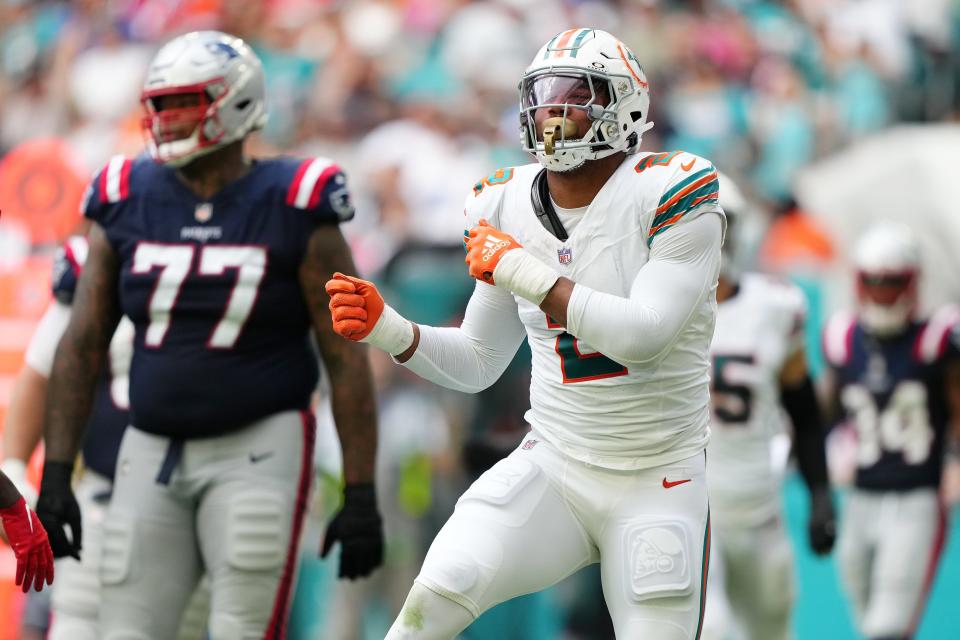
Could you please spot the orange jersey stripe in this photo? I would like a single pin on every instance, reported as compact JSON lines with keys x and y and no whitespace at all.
{"x":663,"y":224}
{"x":690,"y":189}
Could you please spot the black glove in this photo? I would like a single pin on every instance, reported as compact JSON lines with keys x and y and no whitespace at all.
{"x":359,"y":530}
{"x":822,"y":527}
{"x":57,"y":506}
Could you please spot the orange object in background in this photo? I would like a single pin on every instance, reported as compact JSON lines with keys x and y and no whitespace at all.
{"x":41,"y":185}
{"x":795,"y":239}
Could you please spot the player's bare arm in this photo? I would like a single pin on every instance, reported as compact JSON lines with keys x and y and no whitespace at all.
{"x":80,"y":355}
{"x":82,"y":350}
{"x":354,"y":405}
{"x":24,"y":424}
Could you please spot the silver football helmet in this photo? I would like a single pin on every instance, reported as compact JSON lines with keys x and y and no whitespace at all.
{"x":223,"y":78}
{"x":887,"y":261}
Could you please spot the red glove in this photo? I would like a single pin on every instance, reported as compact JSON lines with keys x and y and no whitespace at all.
{"x":28,"y":539}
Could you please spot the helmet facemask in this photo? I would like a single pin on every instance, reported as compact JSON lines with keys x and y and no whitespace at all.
{"x":203,"y":90}
{"x":887,"y":300}
{"x":887,"y":263}
{"x":554,"y":105}
{"x":172,"y":139}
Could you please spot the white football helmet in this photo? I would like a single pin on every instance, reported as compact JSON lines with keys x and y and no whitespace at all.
{"x":887,"y":260}
{"x":589,"y":70}
{"x":226,"y":77}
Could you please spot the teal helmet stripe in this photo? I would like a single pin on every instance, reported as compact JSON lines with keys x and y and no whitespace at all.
{"x":578,"y":41}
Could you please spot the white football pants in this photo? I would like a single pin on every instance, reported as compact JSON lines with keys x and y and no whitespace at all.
{"x":232,"y":505}
{"x":889,"y":547}
{"x":538,"y":516}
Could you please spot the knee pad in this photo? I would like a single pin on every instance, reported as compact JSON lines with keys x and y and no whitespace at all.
{"x":76,"y":592}
{"x":66,"y":627}
{"x":118,"y":543}
{"x":126,"y":634}
{"x":659,"y":556}
{"x":258,"y":531}
{"x":468,"y":552}
{"x":225,"y":627}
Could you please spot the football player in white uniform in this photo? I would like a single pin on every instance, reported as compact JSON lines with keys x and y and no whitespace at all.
{"x":606,"y":259}
{"x":759,"y":373}
{"x":895,"y":379}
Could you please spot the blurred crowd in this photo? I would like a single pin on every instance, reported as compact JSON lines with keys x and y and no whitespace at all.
{"x":417,"y":99}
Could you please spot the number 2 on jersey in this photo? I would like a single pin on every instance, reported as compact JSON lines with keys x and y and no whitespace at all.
{"x":576,"y":366}
{"x":175,"y":261}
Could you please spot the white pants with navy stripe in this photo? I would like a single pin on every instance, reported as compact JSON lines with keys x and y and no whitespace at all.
{"x":538,"y":516}
{"x":751,"y":582}
{"x":889,"y":547}
{"x":233,"y":505}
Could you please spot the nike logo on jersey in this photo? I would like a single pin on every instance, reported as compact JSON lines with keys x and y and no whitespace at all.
{"x":257,"y":457}
{"x":669,"y":485}
{"x":688,"y":166}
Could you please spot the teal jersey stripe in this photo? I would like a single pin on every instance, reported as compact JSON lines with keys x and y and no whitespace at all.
{"x":714,"y":201}
{"x":466,"y":236}
{"x":684,"y":184}
{"x":683,"y":203}
{"x":576,"y":43}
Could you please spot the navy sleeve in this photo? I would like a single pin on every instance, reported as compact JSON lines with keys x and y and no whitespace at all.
{"x":67,"y":265}
{"x":319,"y":189}
{"x":109,"y":186}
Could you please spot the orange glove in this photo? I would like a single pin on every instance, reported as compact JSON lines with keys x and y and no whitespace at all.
{"x":485,"y":246}
{"x":493,"y":254}
{"x":359,"y":313}
{"x":355,"y":306}
{"x":30,"y":545}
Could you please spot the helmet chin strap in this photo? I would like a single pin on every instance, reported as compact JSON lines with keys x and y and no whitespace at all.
{"x":885,"y":320}
{"x":556,"y":127}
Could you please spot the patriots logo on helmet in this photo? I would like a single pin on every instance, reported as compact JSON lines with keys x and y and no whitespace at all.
{"x":222,"y":48}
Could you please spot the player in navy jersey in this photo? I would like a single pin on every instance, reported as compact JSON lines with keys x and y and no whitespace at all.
{"x":219,"y":261}
{"x":76,"y":594}
{"x":894,"y":379}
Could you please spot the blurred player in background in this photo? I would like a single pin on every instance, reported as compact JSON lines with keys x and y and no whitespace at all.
{"x":76,"y":595}
{"x":895,"y":379}
{"x":219,"y":261}
{"x":613,"y":287}
{"x":759,"y":372}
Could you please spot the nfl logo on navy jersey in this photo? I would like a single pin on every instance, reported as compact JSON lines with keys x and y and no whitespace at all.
{"x":203,"y":212}
{"x":565,"y":255}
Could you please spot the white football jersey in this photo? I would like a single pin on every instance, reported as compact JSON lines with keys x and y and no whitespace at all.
{"x":757,"y":330}
{"x":588,"y":406}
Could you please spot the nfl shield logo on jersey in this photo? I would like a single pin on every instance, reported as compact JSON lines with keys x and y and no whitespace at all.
{"x":565,"y":255}
{"x":203,"y":212}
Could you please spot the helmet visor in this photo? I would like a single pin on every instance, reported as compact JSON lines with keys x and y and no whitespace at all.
{"x":884,"y":289}
{"x":563,"y":89}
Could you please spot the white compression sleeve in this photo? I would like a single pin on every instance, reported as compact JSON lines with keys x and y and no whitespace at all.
{"x":46,"y":337}
{"x":683,"y":267}
{"x":473,"y":356}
